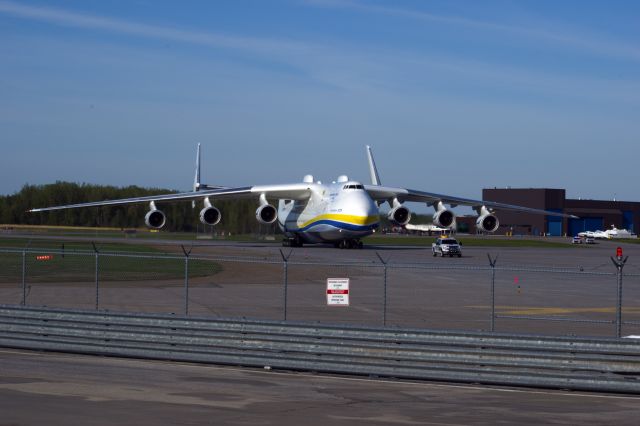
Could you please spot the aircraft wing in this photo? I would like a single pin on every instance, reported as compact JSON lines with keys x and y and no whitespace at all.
{"x":385,"y":193}
{"x":296,"y":191}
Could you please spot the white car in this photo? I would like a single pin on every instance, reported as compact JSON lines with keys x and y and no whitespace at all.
{"x":446,"y":246}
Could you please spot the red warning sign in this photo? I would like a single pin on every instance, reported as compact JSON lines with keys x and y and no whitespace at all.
{"x":337,"y":291}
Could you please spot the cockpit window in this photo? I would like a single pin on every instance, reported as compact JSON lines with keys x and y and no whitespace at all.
{"x":353,"y":187}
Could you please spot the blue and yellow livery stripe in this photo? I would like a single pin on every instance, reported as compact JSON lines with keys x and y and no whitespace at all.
{"x":345,"y":221}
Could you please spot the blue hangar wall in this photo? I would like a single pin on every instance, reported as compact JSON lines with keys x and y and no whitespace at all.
{"x":593,"y":214}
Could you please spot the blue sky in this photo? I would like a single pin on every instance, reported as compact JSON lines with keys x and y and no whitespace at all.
{"x":453,"y":96}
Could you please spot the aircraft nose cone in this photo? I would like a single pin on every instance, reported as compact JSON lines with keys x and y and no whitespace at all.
{"x":373,"y":209}
{"x":362,"y":209}
{"x":368,"y":209}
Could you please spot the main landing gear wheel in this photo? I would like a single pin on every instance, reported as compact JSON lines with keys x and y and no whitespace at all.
{"x":349,"y":244}
{"x":291,"y":242}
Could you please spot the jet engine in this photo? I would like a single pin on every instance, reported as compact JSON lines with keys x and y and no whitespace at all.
{"x":400,"y":215}
{"x":444,"y":218}
{"x":155,"y":218}
{"x":487,"y":221}
{"x":210,"y":215}
{"x":266,"y":214}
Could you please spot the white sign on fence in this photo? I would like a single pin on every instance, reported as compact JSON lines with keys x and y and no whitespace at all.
{"x":338,"y":291}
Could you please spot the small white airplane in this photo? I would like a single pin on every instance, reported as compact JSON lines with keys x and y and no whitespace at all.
{"x":593,"y":234}
{"x":613,"y":233}
{"x":425,"y":228}
{"x":341,"y":213}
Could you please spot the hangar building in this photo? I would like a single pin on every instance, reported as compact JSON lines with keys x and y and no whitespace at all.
{"x":593,"y":214}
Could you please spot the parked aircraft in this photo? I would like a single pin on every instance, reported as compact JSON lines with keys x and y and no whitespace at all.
{"x":594,"y":234}
{"x":341,"y":212}
{"x":613,"y":233}
{"x":424,"y":229}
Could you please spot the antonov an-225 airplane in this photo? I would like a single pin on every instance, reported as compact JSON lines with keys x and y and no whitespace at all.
{"x":310,"y":212}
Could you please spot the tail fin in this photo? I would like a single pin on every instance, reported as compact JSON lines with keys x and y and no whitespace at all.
{"x":196,"y":179}
{"x":373,"y":171}
{"x":199,"y":186}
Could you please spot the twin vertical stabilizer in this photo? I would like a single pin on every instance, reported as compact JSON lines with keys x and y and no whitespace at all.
{"x":196,"y":179}
{"x":373,"y":171}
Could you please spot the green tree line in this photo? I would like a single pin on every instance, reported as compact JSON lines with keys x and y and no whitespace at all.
{"x":238,"y":216}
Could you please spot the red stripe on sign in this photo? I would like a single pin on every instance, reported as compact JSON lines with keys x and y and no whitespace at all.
{"x":337,"y":291}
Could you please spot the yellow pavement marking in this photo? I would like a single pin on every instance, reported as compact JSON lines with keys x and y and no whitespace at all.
{"x":556,"y":310}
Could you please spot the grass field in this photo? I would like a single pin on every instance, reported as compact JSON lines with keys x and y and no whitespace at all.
{"x":74,"y":261}
{"x":75,"y":246}
{"x":130,"y":234}
{"x":81,"y":268}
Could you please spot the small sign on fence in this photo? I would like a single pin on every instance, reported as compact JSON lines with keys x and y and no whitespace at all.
{"x":337,"y":291}
{"x":44,"y":257}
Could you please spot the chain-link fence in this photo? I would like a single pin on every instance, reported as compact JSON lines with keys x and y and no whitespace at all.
{"x":599,"y":301}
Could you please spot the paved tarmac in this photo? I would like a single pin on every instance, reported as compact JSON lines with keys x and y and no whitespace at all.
{"x":59,"y":389}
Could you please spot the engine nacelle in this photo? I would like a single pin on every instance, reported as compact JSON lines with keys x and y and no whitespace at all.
{"x":210,"y":216}
{"x":444,"y":218}
{"x":487,"y":222}
{"x":155,"y":219}
{"x":266,"y":214}
{"x":399,"y":215}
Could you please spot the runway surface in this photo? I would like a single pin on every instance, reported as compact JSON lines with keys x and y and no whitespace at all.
{"x":48,"y":388}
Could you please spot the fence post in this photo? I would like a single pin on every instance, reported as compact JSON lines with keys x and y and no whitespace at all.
{"x":492,"y":263}
{"x":24,"y":278}
{"x":97,"y":274}
{"x":384,"y":300}
{"x":619,"y":262}
{"x":285,"y":267}
{"x":186,"y":279}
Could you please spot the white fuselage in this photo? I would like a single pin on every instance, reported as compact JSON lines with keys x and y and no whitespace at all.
{"x":335,"y":212}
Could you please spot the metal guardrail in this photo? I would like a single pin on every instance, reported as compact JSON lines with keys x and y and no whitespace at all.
{"x":604,"y":365}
